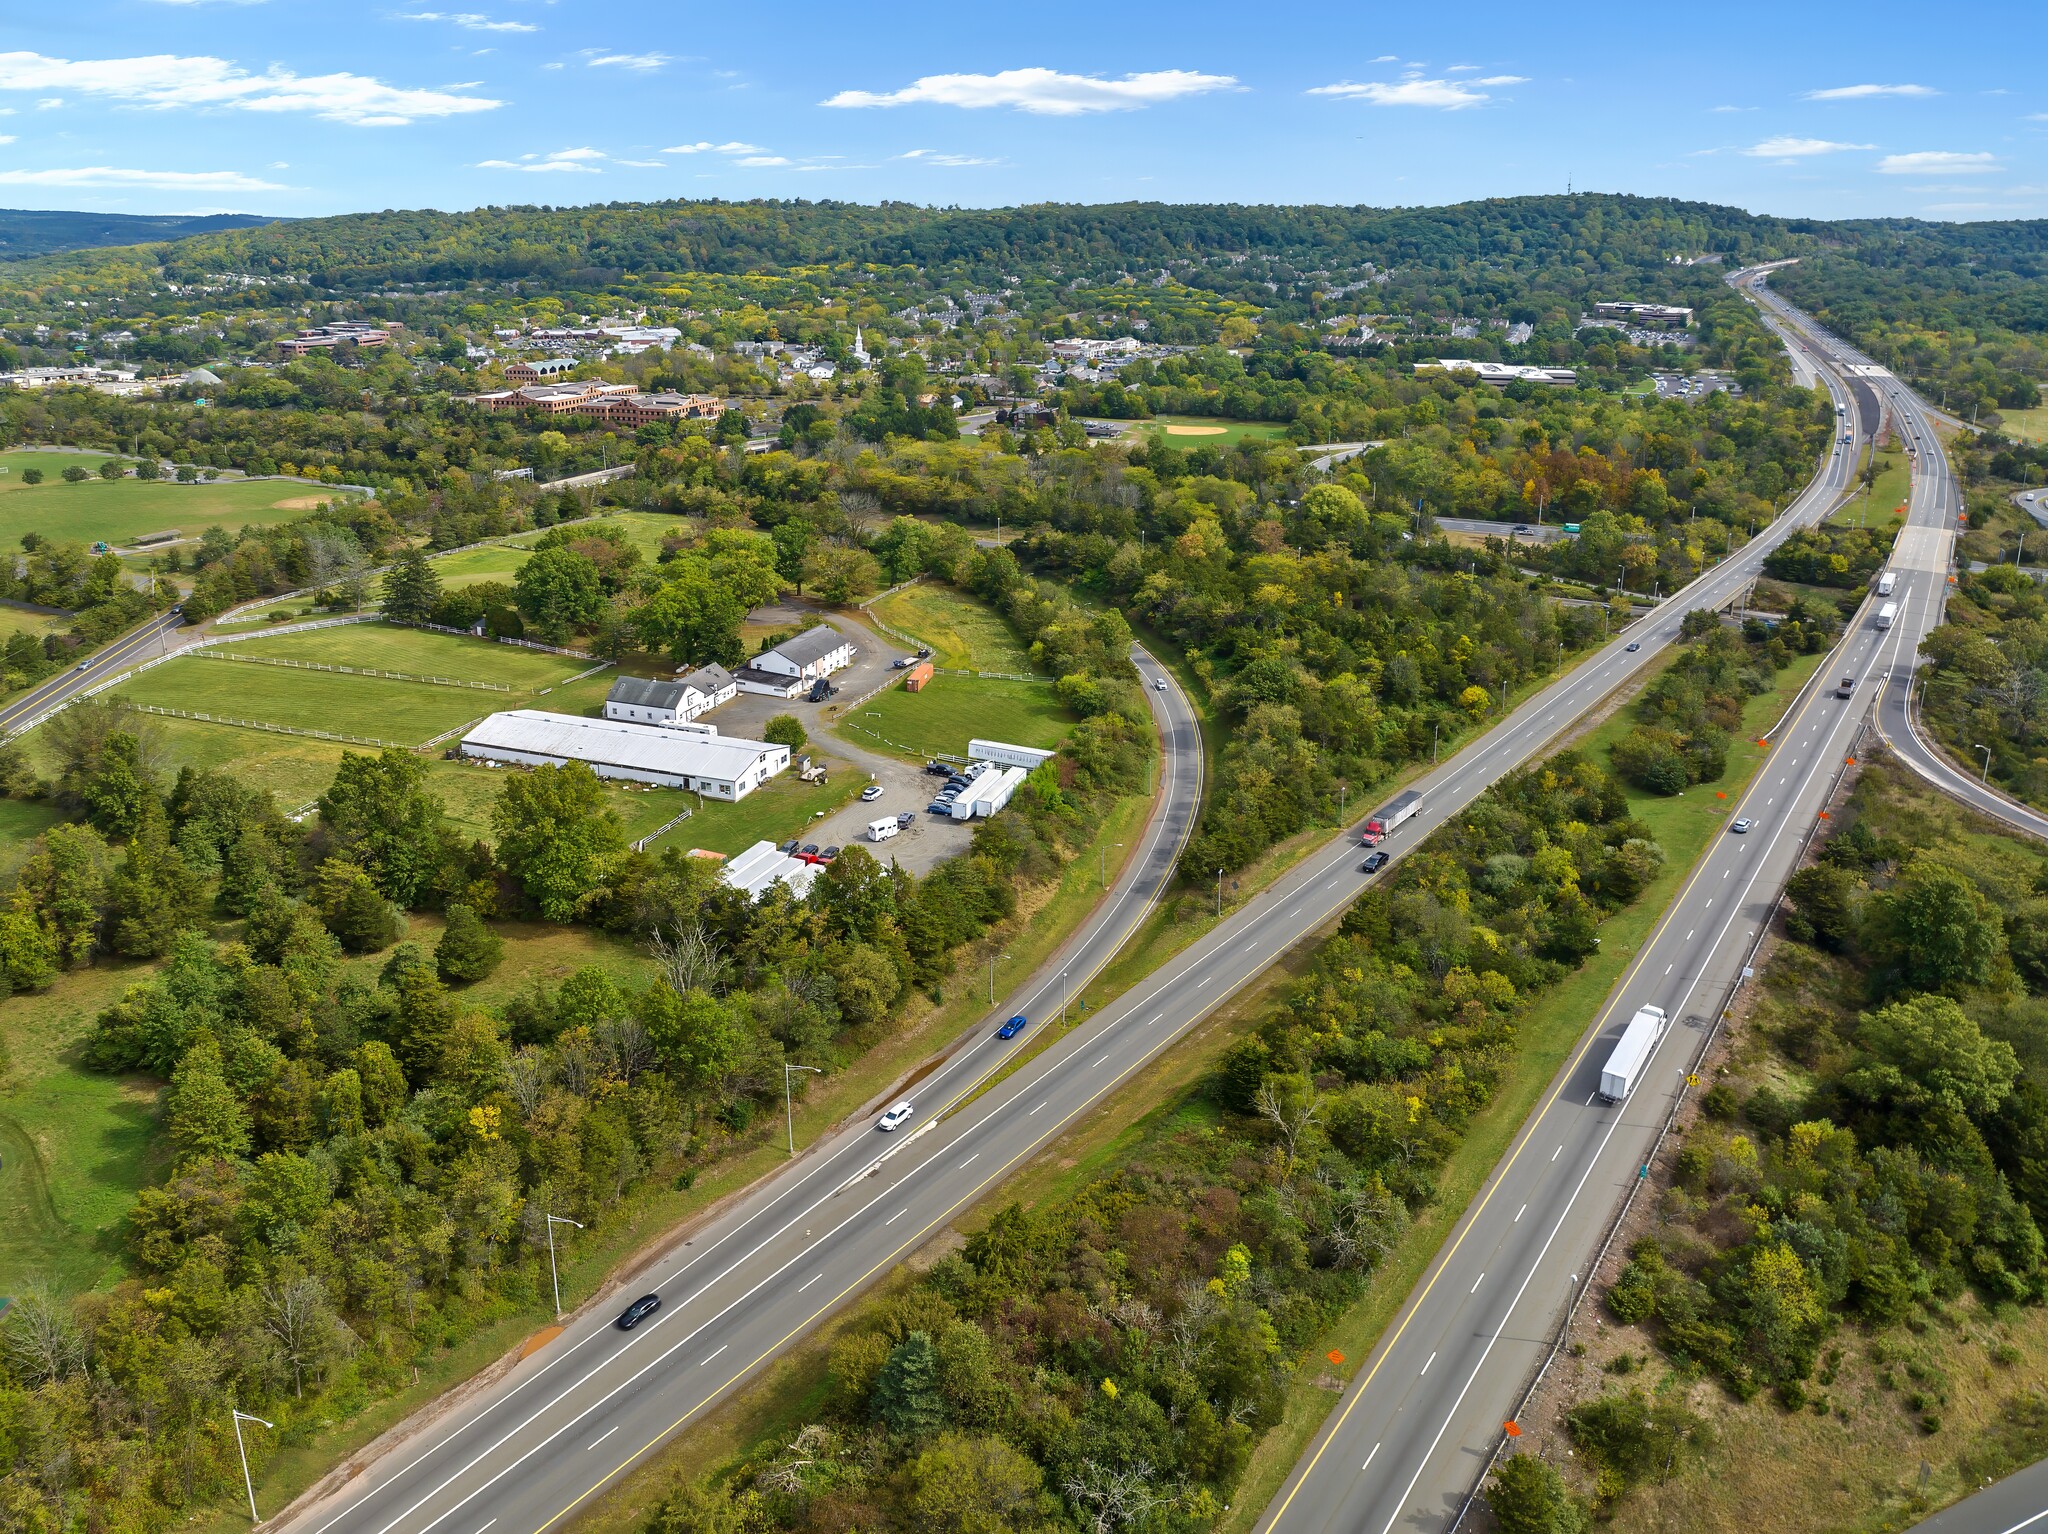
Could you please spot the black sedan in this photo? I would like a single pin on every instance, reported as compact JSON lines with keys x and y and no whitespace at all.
{"x":638,"y":1311}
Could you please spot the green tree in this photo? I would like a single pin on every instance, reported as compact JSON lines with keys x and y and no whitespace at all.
{"x":697,"y":1036}
{"x":1823,"y":905}
{"x":113,"y":468}
{"x":1528,"y":1496}
{"x":558,"y":591}
{"x":353,"y":908}
{"x":841,"y":576}
{"x":379,"y":815}
{"x":425,"y":1013}
{"x":412,"y":589}
{"x":557,"y":837}
{"x":468,"y":950}
{"x":963,"y":1485}
{"x":152,"y":895}
{"x":1926,"y":1049}
{"x":693,"y":617}
{"x":907,"y":1398}
{"x":29,"y":950}
{"x":204,"y":1111}
{"x":1933,"y":930}
{"x":785,"y":730}
{"x":118,"y":791}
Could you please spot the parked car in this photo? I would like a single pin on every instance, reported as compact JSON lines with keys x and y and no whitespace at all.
{"x":902,"y":663}
{"x":638,"y":1311}
{"x":938,"y":769}
{"x":1013,"y":1027}
{"x":788,"y":848}
{"x":1374,"y":862}
{"x":871,"y":793}
{"x":828,"y":854}
{"x":820,"y":690}
{"x":940,"y":807}
{"x":895,"y":1117}
{"x":810,"y":852}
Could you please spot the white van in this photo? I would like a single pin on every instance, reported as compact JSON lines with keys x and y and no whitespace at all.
{"x":882,"y":830}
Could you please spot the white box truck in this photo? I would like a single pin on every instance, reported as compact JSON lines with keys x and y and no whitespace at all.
{"x":1886,"y":614}
{"x":1887,"y":583}
{"x":1631,"y":1057}
{"x":882,"y":830}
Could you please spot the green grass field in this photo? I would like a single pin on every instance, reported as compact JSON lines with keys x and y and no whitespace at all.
{"x":1212,"y":431}
{"x":953,"y":710}
{"x":472,"y":567}
{"x":2027,"y":425}
{"x":123,"y":509}
{"x":1894,"y":483}
{"x":774,"y":812}
{"x":960,"y":630}
{"x":21,"y":821}
{"x":14,"y":621}
{"x":418,"y":652}
{"x":75,"y":1147}
{"x":405,"y":713}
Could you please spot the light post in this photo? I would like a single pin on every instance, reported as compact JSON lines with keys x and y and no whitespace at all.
{"x":992,"y":976}
{"x":1102,"y":862}
{"x":247,"y":1485}
{"x":1064,"y":997}
{"x":1219,"y":894}
{"x":1987,"y":760}
{"x":1435,"y":728}
{"x":554,"y":1220}
{"x":789,"y":1102}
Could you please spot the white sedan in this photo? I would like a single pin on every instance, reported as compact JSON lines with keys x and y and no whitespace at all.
{"x":895,"y":1117}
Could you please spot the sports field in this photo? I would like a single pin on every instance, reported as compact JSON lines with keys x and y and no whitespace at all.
{"x":2027,"y":425}
{"x":120,"y":510}
{"x":961,"y":630}
{"x":953,"y":710}
{"x":1212,"y":431}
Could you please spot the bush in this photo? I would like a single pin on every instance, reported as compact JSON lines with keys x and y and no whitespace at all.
{"x":77,"y":474}
{"x":1528,"y":1496}
{"x":785,"y":730}
{"x":31,"y":476}
{"x":468,"y":949}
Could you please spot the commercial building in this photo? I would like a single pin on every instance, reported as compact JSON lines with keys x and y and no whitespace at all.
{"x":795,"y":663}
{"x":716,"y":766}
{"x":1003,"y":754}
{"x":1499,"y":372}
{"x":644,"y":700}
{"x":322,"y":338}
{"x":642,"y":409}
{"x":763,"y":866}
{"x":553,"y":399}
{"x":1651,"y":316}
{"x":540,"y":370}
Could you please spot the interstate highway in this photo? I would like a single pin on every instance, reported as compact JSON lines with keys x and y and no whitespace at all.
{"x":528,"y":1451}
{"x":1418,"y":1425}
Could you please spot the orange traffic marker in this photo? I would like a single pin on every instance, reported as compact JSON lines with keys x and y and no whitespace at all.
{"x":1512,"y":1429}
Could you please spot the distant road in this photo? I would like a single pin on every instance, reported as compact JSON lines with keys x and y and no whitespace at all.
{"x":144,"y":642}
{"x":2020,"y":1501}
{"x":1531,"y":532}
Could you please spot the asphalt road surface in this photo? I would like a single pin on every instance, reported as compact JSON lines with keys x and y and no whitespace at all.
{"x":1532,"y":532}
{"x":139,"y":644}
{"x":2020,"y":1501}
{"x":1421,"y":1422}
{"x":530,"y":1450}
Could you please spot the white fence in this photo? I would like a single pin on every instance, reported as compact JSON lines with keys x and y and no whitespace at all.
{"x":266,"y":727}
{"x":656,"y":835}
{"x":203,"y":652}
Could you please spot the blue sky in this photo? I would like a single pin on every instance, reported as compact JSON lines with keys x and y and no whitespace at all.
{"x":305,"y":107}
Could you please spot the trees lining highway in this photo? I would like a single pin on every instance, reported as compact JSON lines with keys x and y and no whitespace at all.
{"x":537,"y":1445}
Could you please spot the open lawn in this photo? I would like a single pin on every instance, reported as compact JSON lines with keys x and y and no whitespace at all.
{"x":960,"y":630}
{"x":1894,"y":484}
{"x":75,"y":1147}
{"x":2027,"y":425}
{"x":123,"y":509}
{"x":1212,"y":431}
{"x":14,"y":621}
{"x":471,"y":567}
{"x":418,"y":652}
{"x":777,"y":810}
{"x":21,"y":821}
{"x":403,"y":713}
{"x":953,"y":710}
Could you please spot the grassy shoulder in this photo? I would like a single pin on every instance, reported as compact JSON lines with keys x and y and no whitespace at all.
{"x":959,"y":630}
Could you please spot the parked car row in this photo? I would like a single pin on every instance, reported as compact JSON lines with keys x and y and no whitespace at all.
{"x":808,"y":852}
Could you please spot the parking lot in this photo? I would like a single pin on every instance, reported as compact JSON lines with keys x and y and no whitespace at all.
{"x":1693,"y":386}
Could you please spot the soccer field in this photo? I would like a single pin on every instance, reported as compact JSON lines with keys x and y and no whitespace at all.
{"x":121,"y":510}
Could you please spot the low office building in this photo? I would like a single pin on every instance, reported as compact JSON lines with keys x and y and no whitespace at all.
{"x":539,"y":371}
{"x":796,"y":663}
{"x":1650,"y":316}
{"x":763,"y":866}
{"x":646,"y":409}
{"x":321,"y":338}
{"x":716,"y":766}
{"x":553,"y":399}
{"x":1499,"y":372}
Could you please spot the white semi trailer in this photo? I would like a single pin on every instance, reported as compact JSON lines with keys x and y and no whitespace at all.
{"x":1631,"y":1057}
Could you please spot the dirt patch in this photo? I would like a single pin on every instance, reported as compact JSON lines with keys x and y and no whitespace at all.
{"x":1196,"y":431}
{"x":539,"y":1340}
{"x":936,"y":1250}
{"x":302,"y":502}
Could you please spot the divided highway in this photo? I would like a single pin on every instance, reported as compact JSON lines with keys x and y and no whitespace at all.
{"x":1418,"y":1426}
{"x":530,"y":1450}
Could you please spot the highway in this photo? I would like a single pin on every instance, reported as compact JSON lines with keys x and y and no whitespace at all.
{"x":144,"y":642}
{"x":532,"y":1448}
{"x":2020,"y":1501}
{"x":1421,"y":1422}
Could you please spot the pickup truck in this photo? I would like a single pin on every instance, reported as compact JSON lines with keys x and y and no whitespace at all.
{"x":1845,"y":687}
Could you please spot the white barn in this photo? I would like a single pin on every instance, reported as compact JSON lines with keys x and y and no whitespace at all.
{"x":796,"y":663}
{"x":644,"y":700}
{"x":717,"y":766}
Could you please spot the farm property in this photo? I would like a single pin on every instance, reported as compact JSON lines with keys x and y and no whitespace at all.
{"x":961,"y":631}
{"x":403,"y":713}
{"x":417,"y":652}
{"x":953,"y":710}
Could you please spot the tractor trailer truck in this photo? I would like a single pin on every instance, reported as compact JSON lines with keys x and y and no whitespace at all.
{"x":1631,"y":1057}
{"x":1382,"y":821}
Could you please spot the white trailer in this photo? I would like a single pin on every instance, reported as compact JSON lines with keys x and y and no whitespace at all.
{"x":882,"y":830}
{"x":993,"y":798}
{"x":1003,"y":754}
{"x":1886,"y":614}
{"x":1887,"y":583}
{"x":1631,"y":1057}
{"x":977,"y":788}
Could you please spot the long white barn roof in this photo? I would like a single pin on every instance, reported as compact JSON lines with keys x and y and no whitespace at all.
{"x":616,"y":743}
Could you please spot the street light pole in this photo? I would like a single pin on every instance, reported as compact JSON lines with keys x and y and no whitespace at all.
{"x":1219,"y":894}
{"x":554,"y":1220}
{"x":992,"y":976}
{"x":247,"y":1485}
{"x":789,"y":1103}
{"x":1987,"y":760}
{"x":1102,"y":862}
{"x":1063,"y":997}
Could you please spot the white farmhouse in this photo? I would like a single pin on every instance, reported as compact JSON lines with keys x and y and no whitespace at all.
{"x":796,"y":663}
{"x":643,"y":700}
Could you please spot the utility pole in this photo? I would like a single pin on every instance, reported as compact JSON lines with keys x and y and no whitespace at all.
{"x":1219,"y":894}
{"x":992,"y":976}
{"x":247,"y":1485}
{"x":1102,"y":862}
{"x":554,"y":1220}
{"x":789,"y":1102}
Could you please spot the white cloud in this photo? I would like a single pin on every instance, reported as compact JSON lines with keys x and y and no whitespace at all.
{"x":1786,"y":147}
{"x":162,"y":180}
{"x":935,"y":157}
{"x":1388,"y":58}
{"x":49,"y":103}
{"x":1938,"y":162}
{"x":1450,"y":95}
{"x":565,"y":161}
{"x":755,"y":160}
{"x":1859,"y":92}
{"x":628,"y":60}
{"x":1731,"y":109}
{"x":166,"y":80}
{"x":643,"y":164}
{"x":1047,"y":92}
{"x":6,"y":138}
{"x":705,"y":146}
{"x":471,"y":21}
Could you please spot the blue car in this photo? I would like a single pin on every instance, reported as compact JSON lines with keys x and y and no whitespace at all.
{"x":1013,"y":1027}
